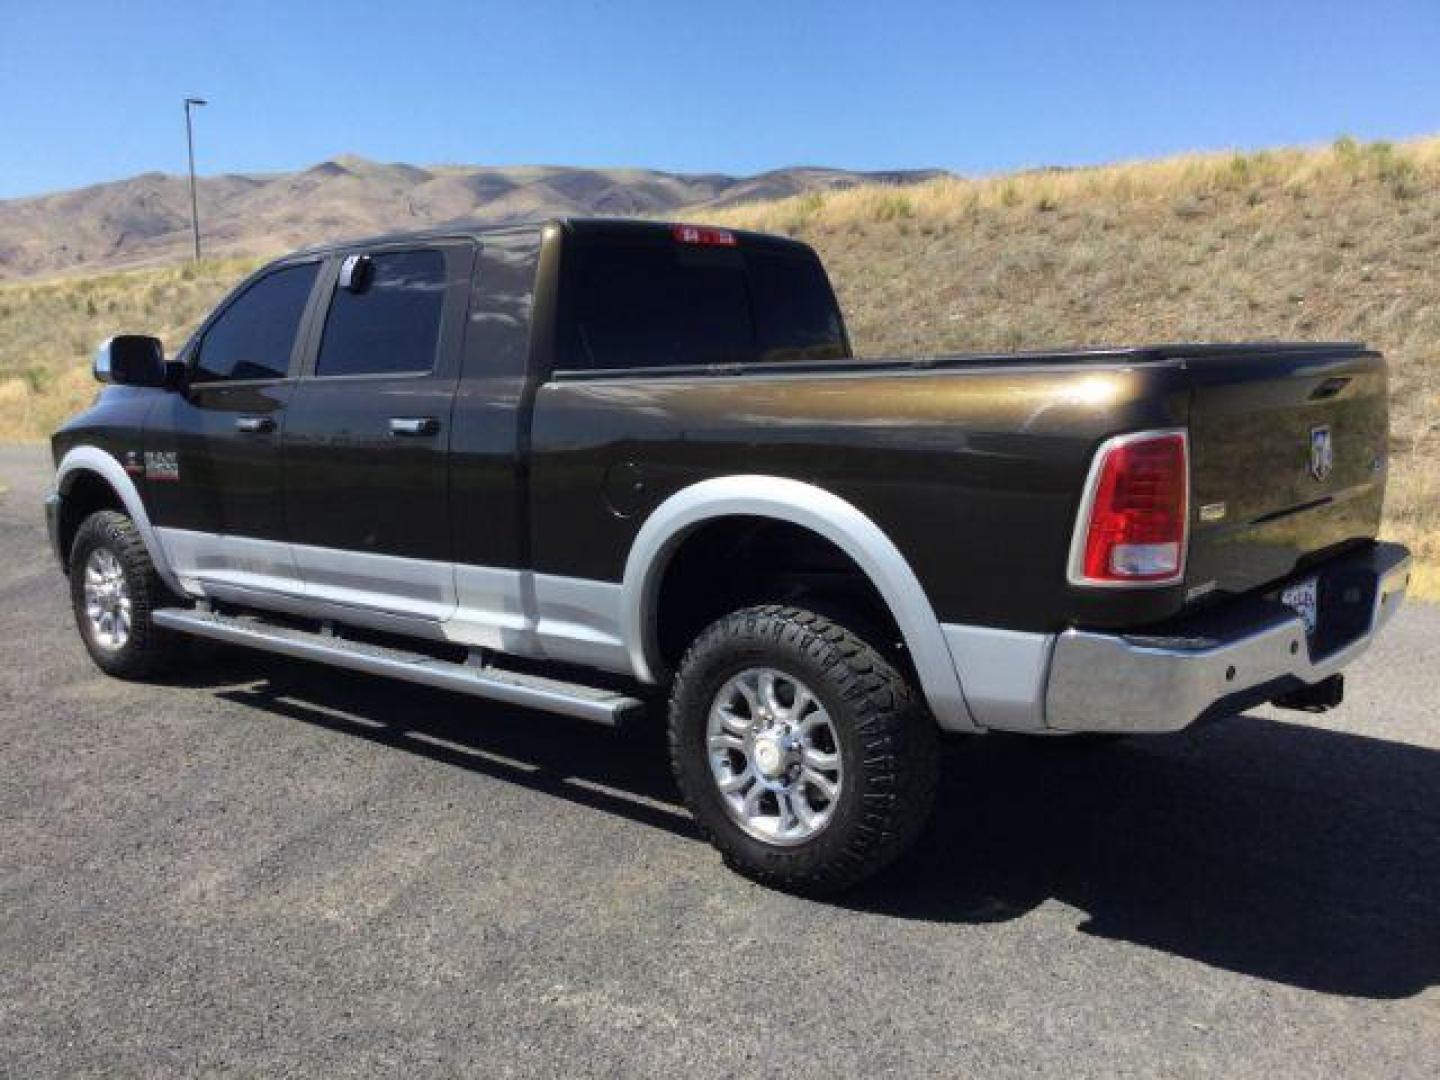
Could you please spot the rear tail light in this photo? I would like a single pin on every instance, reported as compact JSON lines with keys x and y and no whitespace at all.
{"x":703,"y":234}
{"x":1133,"y":524}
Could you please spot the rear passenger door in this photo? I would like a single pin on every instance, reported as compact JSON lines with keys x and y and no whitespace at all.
{"x":367,"y":433}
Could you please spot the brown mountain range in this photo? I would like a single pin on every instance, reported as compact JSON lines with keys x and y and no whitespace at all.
{"x":145,"y":220}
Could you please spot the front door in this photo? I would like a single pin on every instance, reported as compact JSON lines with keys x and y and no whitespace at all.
{"x":212,"y":451}
{"x":367,"y":433}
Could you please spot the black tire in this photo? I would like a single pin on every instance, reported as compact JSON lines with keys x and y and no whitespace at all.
{"x":147,"y":649}
{"x":887,"y":742}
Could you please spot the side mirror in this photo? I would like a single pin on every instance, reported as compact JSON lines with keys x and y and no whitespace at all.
{"x":356,"y":272}
{"x":131,"y":360}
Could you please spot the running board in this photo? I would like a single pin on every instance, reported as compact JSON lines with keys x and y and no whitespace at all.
{"x":479,"y":680}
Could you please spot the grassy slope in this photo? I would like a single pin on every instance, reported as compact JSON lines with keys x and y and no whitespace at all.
{"x":1336,"y":243}
{"x":49,"y":330}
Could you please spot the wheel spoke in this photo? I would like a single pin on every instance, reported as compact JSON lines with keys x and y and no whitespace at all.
{"x":784,"y":802}
{"x":736,"y":725}
{"x":815,"y":721}
{"x":820,"y":759}
{"x":751,"y":805}
{"x":806,"y":813}
{"x":767,"y":692}
{"x":749,"y":693}
{"x":726,"y":741}
{"x":803,"y":700}
{"x":736,"y":782}
{"x":825,"y":785}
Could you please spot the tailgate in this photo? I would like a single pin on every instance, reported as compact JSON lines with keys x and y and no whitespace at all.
{"x":1288,"y":460}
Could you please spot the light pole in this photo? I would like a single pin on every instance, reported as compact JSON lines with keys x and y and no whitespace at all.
{"x":190,"y":147}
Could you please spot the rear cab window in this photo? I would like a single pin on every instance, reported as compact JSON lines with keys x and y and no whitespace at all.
{"x":651,"y":302}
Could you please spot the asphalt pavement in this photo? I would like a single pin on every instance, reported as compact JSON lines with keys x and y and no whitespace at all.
{"x":267,"y":868}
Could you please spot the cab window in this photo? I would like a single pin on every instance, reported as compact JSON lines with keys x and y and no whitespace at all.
{"x":253,"y":336}
{"x":386,"y":321}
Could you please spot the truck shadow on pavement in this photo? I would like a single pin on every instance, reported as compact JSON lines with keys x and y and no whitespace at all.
{"x":1294,"y":854}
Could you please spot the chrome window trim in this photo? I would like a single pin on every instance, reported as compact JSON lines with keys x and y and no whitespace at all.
{"x":1075,"y":564}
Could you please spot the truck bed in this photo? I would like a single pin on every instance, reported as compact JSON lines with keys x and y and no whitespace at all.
{"x":1100,"y":355}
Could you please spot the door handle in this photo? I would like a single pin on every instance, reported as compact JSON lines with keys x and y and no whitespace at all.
{"x":254,"y":424}
{"x":414,"y":425}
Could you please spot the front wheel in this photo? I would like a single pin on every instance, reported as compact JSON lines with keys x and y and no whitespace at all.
{"x":801,"y":751}
{"x":114,"y":589}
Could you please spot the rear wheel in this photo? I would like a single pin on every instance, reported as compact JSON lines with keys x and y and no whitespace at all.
{"x":114,"y":589}
{"x":802,"y":752}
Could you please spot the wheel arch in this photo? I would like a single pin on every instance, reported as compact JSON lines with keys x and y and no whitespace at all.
{"x":812,"y":508}
{"x":81,"y":469}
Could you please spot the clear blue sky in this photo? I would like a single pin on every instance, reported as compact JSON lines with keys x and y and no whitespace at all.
{"x":91,"y":91}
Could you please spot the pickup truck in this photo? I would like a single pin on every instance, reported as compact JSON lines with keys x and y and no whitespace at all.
{"x":591,"y":466}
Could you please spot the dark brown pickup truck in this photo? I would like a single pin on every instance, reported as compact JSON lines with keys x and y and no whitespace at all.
{"x":582,"y":465}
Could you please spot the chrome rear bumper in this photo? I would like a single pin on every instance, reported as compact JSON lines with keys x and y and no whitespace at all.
{"x":1159,"y":683}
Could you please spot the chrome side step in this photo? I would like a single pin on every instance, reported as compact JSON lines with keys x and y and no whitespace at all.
{"x":479,"y":680}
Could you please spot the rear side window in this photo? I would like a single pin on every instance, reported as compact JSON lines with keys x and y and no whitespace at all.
{"x":390,"y":325}
{"x":655,"y":306}
{"x":795,"y":313}
{"x":252,"y":338}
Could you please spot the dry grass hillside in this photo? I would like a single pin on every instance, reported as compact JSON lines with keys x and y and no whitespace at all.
{"x":1342,"y":242}
{"x":49,"y":330}
{"x":145,"y":220}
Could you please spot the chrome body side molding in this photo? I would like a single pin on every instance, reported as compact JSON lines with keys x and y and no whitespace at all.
{"x":821,"y":512}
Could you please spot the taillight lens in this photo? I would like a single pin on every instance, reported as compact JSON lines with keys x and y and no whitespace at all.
{"x":1135,"y":515}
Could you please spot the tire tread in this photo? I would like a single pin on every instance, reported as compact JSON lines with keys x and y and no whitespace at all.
{"x":150,"y":648}
{"x":898,"y":749}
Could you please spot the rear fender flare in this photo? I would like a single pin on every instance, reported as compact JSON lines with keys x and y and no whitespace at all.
{"x":810,"y":507}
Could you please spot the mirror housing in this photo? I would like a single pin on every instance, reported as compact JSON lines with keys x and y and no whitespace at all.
{"x":131,"y":360}
{"x":356,"y":272}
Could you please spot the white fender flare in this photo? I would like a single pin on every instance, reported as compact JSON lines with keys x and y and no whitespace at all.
{"x":93,"y":459}
{"x":812,"y":508}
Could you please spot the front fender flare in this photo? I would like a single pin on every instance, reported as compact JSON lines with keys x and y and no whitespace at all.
{"x":92,"y":459}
